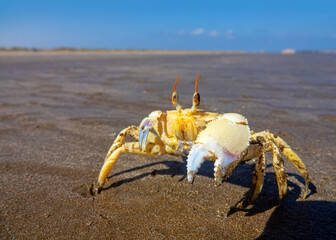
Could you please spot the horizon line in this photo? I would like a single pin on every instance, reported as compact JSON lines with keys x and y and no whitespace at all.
{"x":83,"y":49}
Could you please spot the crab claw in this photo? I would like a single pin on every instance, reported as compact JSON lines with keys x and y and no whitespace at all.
{"x":145,"y":126}
{"x":143,"y":137}
{"x":224,"y":139}
{"x":195,"y":158}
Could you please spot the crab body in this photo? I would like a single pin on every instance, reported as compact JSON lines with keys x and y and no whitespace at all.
{"x":185,"y":124}
{"x":223,"y":138}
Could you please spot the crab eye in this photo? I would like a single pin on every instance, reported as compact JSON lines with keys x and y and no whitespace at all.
{"x":196,"y":99}
{"x":174,"y":99}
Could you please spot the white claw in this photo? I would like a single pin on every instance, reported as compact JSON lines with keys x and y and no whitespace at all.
{"x":195,"y":158}
{"x":145,"y":126}
{"x":223,"y":139}
{"x":140,"y":138}
{"x":219,"y":167}
{"x":219,"y":171}
{"x":145,"y":135}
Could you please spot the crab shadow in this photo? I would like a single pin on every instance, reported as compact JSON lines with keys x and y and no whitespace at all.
{"x":302,"y":220}
{"x":173,"y":168}
{"x":242,"y":176}
{"x":177,"y":168}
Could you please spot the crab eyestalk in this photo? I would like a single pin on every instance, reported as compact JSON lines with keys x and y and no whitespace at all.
{"x":196,"y":97}
{"x":175,"y":98}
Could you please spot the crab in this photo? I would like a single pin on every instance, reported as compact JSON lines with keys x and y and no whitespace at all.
{"x":225,"y":139}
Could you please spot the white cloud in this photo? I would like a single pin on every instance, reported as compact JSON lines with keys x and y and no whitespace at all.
{"x":213,"y":33}
{"x":202,"y":31}
{"x":198,"y":31}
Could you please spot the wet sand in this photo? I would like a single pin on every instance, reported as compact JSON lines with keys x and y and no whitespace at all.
{"x":59,"y":114}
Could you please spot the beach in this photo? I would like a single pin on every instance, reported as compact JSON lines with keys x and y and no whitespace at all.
{"x":60,"y":112}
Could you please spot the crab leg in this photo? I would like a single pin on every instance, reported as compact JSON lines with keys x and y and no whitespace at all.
{"x":289,"y":154}
{"x":294,"y":159}
{"x":259,"y":175}
{"x":132,"y":131}
{"x":257,"y":183}
{"x":151,"y":149}
{"x":252,"y":151}
{"x":154,"y":146}
{"x":258,"y":178}
{"x":280,"y":174}
{"x":108,"y":165}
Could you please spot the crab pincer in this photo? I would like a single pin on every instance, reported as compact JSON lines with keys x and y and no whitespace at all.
{"x":224,"y":139}
{"x":145,"y":126}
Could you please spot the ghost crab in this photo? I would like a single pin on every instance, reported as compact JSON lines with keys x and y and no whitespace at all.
{"x":223,"y":138}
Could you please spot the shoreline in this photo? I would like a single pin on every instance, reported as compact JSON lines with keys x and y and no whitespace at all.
{"x":152,"y":52}
{"x":59,"y":51}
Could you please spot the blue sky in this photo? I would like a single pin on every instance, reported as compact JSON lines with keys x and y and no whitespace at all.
{"x":189,"y":25}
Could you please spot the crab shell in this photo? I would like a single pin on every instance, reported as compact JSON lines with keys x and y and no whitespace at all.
{"x":230,"y":132}
{"x":223,"y":139}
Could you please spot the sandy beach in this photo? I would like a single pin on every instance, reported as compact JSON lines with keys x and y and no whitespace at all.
{"x":59,"y":114}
